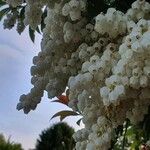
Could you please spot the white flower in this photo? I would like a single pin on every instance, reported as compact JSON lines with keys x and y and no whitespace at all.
{"x":131,"y":25}
{"x":136,"y":5}
{"x":128,"y":54}
{"x":94,"y":58}
{"x":120,"y":90}
{"x":134,"y":82}
{"x":137,"y":47}
{"x":122,"y":49}
{"x":143,"y":81}
{"x":74,"y":4}
{"x":147,"y":70}
{"x":137,"y":72}
{"x":85,"y":66}
{"x":66,"y":9}
{"x":146,"y":7}
{"x":104,"y":91}
{"x":75,"y":15}
{"x":113,"y":96}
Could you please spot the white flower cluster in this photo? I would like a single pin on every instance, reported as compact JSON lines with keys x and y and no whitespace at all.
{"x":80,"y":137}
{"x":33,"y":13}
{"x":131,"y":72}
{"x":148,"y":143}
{"x":113,"y":23}
{"x":105,"y":65}
{"x":101,"y":135}
{"x":140,"y":9}
{"x":30,"y":101}
{"x":55,"y":63}
{"x":74,"y":8}
{"x":20,"y":26}
{"x":10,"y":21}
{"x":74,"y":31}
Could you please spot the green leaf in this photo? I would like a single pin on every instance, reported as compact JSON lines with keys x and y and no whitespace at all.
{"x":2,"y":3}
{"x":65,"y":113}
{"x":78,"y":122}
{"x":136,"y":143}
{"x":43,"y":17}
{"x":146,"y":127}
{"x":3,"y":12}
{"x":22,"y":12}
{"x":32,"y":34}
{"x":38,"y":30}
{"x":130,"y":131}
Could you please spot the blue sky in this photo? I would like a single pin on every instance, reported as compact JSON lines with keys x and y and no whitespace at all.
{"x":16,"y":54}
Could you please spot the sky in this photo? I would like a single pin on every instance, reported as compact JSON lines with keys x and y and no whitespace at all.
{"x":16,"y":53}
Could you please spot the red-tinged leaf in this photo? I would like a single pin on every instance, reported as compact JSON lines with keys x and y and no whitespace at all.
{"x":63,"y":99}
{"x":65,"y":113}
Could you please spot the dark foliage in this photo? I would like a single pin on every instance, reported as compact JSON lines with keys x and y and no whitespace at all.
{"x":7,"y":145}
{"x":57,"y":137}
{"x":97,"y":6}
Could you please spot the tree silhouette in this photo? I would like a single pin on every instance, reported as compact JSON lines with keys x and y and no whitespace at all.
{"x":7,"y":145}
{"x":57,"y":137}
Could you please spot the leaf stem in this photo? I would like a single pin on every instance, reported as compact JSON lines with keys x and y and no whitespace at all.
{"x":124,"y":136}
